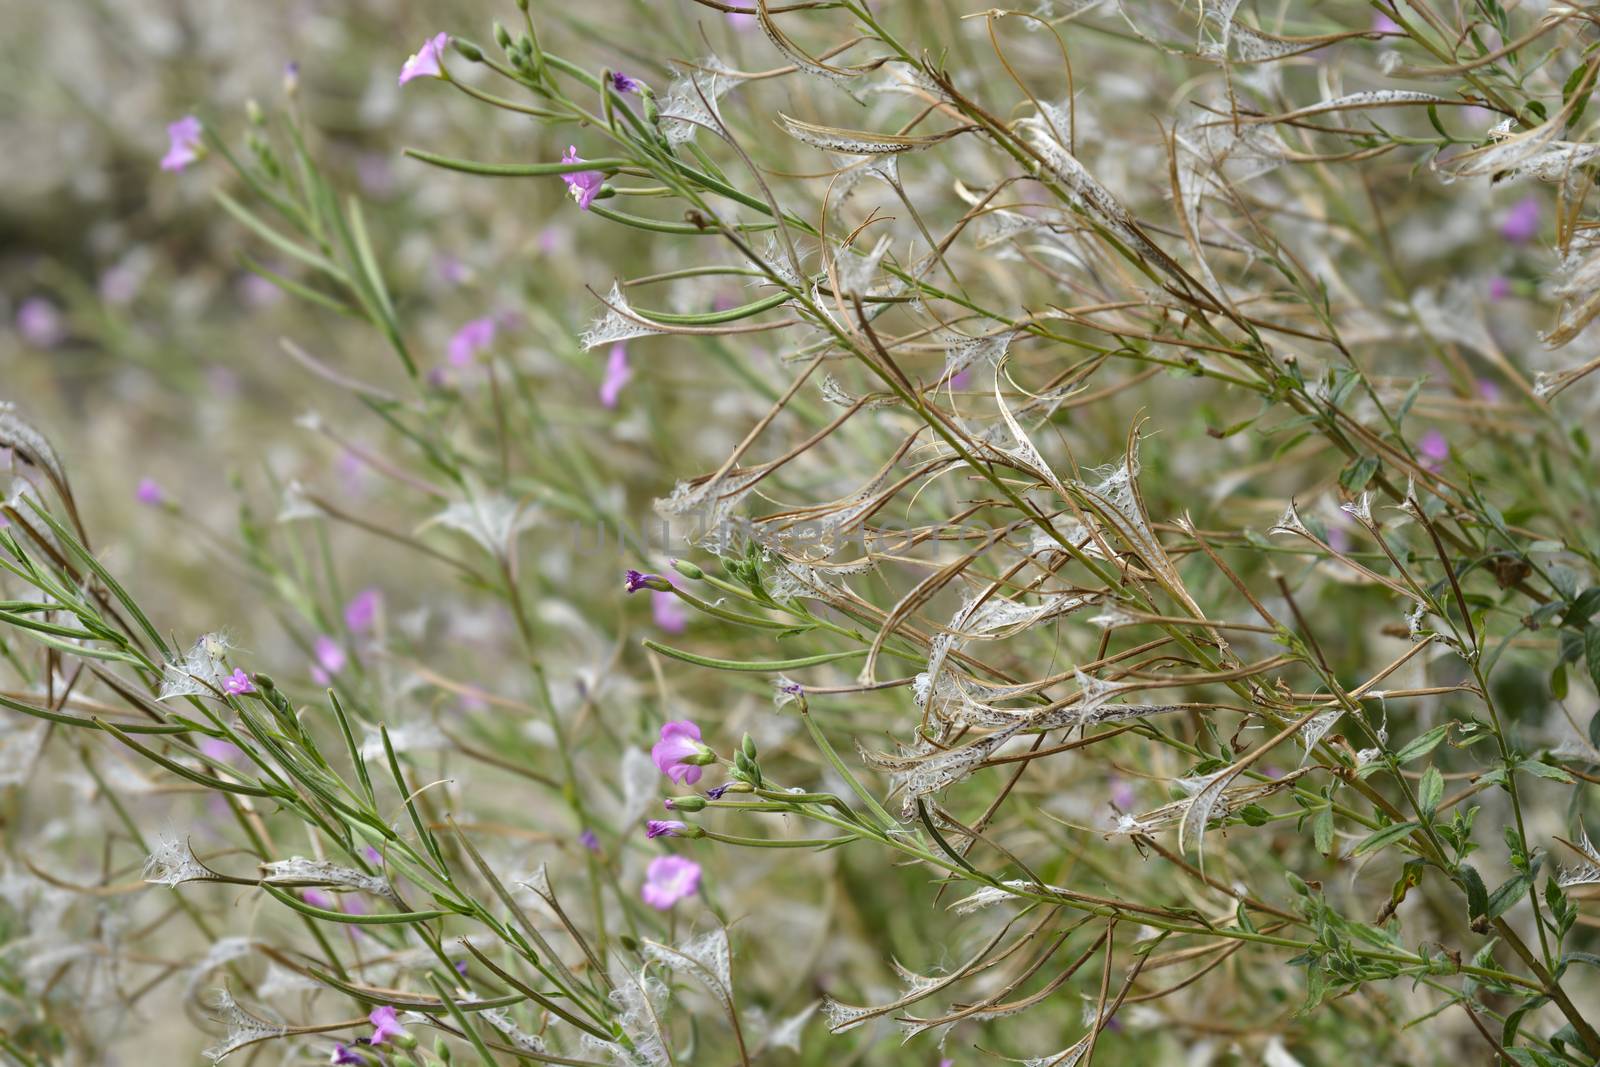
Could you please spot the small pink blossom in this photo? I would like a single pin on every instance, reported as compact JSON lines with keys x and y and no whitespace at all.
{"x":150,"y":492}
{"x":668,"y":880}
{"x":331,"y":659}
{"x":584,"y":185}
{"x":220,"y":750}
{"x":258,"y":292}
{"x":385,"y":1027}
{"x":618,"y":374}
{"x":663,"y":828}
{"x":1521,"y":224}
{"x":120,"y":283}
{"x":452,"y":271}
{"x":1382,"y":23}
{"x":425,"y":62}
{"x":667,"y":611}
{"x":1434,"y":448}
{"x":680,"y":743}
{"x":1488,"y":390}
{"x":40,"y":323}
{"x":362,"y":611}
{"x":473,"y":337}
{"x":318,"y":899}
{"x":183,"y":143}
{"x":238,"y":683}
{"x":1499,"y":287}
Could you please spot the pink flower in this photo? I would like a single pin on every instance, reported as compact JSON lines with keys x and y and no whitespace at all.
{"x":220,"y":750}
{"x":362,"y":611}
{"x":425,"y":64}
{"x":624,"y":84}
{"x":589,"y":840}
{"x":120,"y":283}
{"x":582,"y":185}
{"x":1521,"y":224}
{"x":667,"y":611}
{"x":961,"y":378}
{"x":238,"y":683}
{"x":183,"y":143}
{"x":668,"y":880}
{"x":618,"y":374}
{"x":1434,"y":448}
{"x":149,"y":492}
{"x":662,"y":828}
{"x":1382,"y":23}
{"x":472,"y":338}
{"x":451,"y":270}
{"x":384,"y":1025}
{"x":331,"y":659}
{"x":1488,"y":390}
{"x":1499,"y":287}
{"x":39,"y":323}
{"x":679,"y":751}
{"x":318,"y":899}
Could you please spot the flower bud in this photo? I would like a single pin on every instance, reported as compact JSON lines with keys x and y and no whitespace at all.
{"x":502,"y":37}
{"x":692,"y":802}
{"x":749,"y":746}
{"x":687,"y":569}
{"x":468,"y":51}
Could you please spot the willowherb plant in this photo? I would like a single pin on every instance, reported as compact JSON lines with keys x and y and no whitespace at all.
{"x":1173,"y":625}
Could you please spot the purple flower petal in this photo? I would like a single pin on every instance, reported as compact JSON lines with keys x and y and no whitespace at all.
{"x":618,"y":374}
{"x":362,"y":611}
{"x":668,"y":880}
{"x":425,"y":62}
{"x":40,"y":324}
{"x":582,"y":185}
{"x":473,"y":337}
{"x":150,"y":492}
{"x":183,"y":143}
{"x":1521,"y":224}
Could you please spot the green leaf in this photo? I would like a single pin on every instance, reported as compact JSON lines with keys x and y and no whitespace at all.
{"x":1514,"y":889}
{"x":1322,"y":830}
{"x":374,"y":919}
{"x":1545,"y":770}
{"x":1477,"y":893}
{"x":1421,"y":746}
{"x":1386,"y":836}
{"x":513,"y":170}
{"x":1591,"y":652}
{"x":755,"y":666}
{"x":1431,"y":790}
